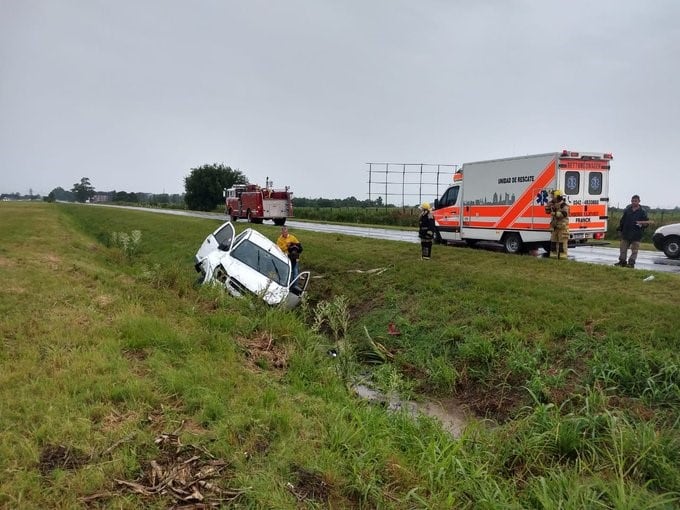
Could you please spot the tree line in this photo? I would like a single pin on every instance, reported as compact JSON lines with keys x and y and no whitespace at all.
{"x":203,"y":191}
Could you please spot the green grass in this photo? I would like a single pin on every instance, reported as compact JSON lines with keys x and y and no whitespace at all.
{"x":569,"y":370}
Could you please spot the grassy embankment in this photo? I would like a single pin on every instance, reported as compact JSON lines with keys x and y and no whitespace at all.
{"x":570,"y":372}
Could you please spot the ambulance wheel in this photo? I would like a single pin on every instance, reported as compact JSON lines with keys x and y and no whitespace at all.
{"x":512,"y":243}
{"x":438,"y":237}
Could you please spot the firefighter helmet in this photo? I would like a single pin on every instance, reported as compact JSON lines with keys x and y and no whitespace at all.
{"x":557,"y":193}
{"x":425,"y":206}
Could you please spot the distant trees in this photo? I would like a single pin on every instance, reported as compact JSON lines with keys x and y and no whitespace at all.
{"x":203,"y":186}
{"x":83,"y":190}
{"x":61,"y":194}
{"x":124,"y":196}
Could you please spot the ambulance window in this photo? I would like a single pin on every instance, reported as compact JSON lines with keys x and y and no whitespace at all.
{"x":572,"y":183}
{"x":595,"y":183}
{"x":450,"y":196}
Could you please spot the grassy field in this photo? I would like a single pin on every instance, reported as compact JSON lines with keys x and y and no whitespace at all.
{"x":125,"y":386}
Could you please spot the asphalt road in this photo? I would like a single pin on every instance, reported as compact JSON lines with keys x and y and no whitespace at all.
{"x":605,"y":255}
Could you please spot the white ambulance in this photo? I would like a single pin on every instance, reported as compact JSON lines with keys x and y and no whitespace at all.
{"x":503,"y":200}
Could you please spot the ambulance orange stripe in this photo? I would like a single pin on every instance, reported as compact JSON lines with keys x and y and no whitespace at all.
{"x":527,"y":198}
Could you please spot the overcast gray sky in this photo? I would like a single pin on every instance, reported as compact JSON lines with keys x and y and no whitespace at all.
{"x":133,"y":94}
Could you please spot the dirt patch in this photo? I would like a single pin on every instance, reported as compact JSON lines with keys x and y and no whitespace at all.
{"x":61,"y":457}
{"x":103,"y":301}
{"x":496,"y":402}
{"x":15,"y":289}
{"x":262,"y":353}
{"x":137,"y":359}
{"x":157,"y":418}
{"x":115,"y":420}
{"x":5,"y":262}
{"x":125,"y":280}
{"x":138,"y":355}
{"x":309,"y":486}
{"x":633,"y":406}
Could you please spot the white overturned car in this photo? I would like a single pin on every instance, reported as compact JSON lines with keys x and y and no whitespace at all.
{"x":667,"y":239}
{"x":249,"y":263}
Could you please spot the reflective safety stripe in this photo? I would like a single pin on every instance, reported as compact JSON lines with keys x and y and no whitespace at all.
{"x":526,"y":199}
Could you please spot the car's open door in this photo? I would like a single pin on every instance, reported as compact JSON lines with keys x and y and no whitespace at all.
{"x":296,"y":290}
{"x":220,"y":239}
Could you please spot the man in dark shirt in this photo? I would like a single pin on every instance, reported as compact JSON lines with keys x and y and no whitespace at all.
{"x":632,"y":222}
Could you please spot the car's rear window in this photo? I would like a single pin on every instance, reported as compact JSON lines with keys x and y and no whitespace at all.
{"x":262,"y":261}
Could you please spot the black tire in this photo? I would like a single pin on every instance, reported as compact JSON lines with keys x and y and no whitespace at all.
{"x":279,"y":222}
{"x":471,"y":243}
{"x":512,"y":243}
{"x":233,"y":218}
{"x":671,"y":247}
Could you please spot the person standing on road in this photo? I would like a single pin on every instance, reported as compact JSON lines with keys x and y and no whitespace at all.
{"x":290,"y":245}
{"x":558,"y":209}
{"x":426,"y":230}
{"x":633,"y":221}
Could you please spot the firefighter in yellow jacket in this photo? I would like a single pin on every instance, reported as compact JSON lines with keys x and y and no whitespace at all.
{"x":290,"y":245}
{"x":558,"y":209}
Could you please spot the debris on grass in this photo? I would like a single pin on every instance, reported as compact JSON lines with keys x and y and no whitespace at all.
{"x":188,"y":475}
{"x":184,"y":473}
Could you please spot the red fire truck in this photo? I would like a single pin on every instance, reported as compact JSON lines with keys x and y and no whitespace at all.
{"x":258,"y":204}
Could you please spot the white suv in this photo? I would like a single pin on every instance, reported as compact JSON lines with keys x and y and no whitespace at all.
{"x":667,"y":239}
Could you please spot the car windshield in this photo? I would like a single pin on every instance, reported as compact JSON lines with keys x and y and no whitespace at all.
{"x":262,"y":261}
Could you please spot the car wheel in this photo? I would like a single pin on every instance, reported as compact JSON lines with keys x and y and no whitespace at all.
{"x":671,"y":247}
{"x":512,"y":243}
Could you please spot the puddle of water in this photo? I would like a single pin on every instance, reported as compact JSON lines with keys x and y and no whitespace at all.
{"x":448,"y":411}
